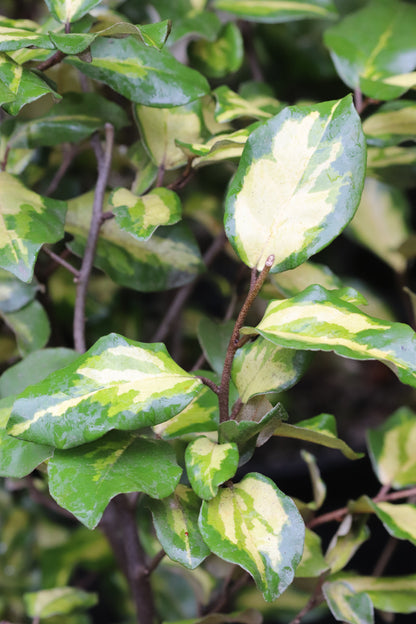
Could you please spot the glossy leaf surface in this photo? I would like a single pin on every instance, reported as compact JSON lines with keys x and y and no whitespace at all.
{"x":256,"y":526}
{"x":27,"y":221}
{"x":141,"y":73}
{"x":117,"y":384}
{"x":298,"y":184}
{"x":21,"y":34}
{"x":208,"y":465}
{"x":85,"y":479}
{"x":398,"y":519}
{"x":231,"y":105}
{"x":277,"y":10}
{"x":346,"y":605}
{"x":176,"y":523}
{"x":58,"y":601}
{"x":320,"y":319}
{"x":67,"y":11}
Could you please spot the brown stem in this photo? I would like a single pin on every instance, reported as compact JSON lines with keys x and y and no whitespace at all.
{"x":228,"y":590}
{"x":3,"y":164}
{"x":313,"y":601}
{"x":209,"y":383}
{"x":104,"y":163}
{"x":385,"y":556}
{"x":51,"y":61}
{"x":236,"y":408}
{"x":255,"y":286}
{"x":61,"y":261}
{"x":155,"y":561}
{"x":183,"y":180}
{"x":69,"y":154}
{"x":251,"y":54}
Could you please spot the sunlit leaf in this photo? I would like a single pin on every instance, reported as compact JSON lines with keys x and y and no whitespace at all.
{"x":398,"y":519}
{"x":230,"y":106}
{"x":208,"y":465}
{"x":346,"y":605}
{"x":351,"y":534}
{"x":67,"y":11}
{"x":58,"y":601}
{"x":294,"y":281}
{"x":277,"y":10}
{"x":298,"y":184}
{"x":21,"y":34}
{"x":396,"y":594}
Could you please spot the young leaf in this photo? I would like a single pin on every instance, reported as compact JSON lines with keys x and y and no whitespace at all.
{"x":230,"y":106}
{"x":209,"y":465}
{"x":117,"y":463}
{"x":261,"y":367}
{"x":351,"y":534}
{"x":176,"y":523}
{"x":67,"y":11}
{"x":373,"y":49}
{"x":391,"y":447}
{"x":298,"y":184}
{"x":275,"y":11}
{"x":140,"y":216}
{"x":57,"y":601}
{"x":326,"y":320}
{"x":216,"y":59}
{"x":318,"y":485}
{"x":346,"y":605}
{"x":256,"y":526}
{"x":27,"y":221}
{"x":117,"y":384}
{"x":395,"y":594}
{"x":399,"y":520}
{"x":312,"y":563}
{"x":142,"y":74}
{"x":30,"y":326}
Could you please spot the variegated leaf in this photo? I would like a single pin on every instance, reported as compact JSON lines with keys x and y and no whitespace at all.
{"x":321,"y":429}
{"x":275,"y":11}
{"x":392,"y":123}
{"x":398,"y":519}
{"x":392,"y":449}
{"x":351,"y":534}
{"x":261,"y":367}
{"x":318,"y":485}
{"x":256,"y":526}
{"x":176,"y":523}
{"x":293,"y":282}
{"x":141,"y":73}
{"x":117,"y":384}
{"x":118,"y":463}
{"x":30,"y":326}
{"x":220,"y":147}
{"x":319,"y":319}
{"x":347,"y":605}
{"x":208,"y":465}
{"x":21,"y":34}
{"x":230,"y":106}
{"x":140,"y":216}
{"x":395,"y":594}
{"x":298,"y":184}
{"x":27,"y":221}
{"x":312,"y":563}
{"x":58,"y":601}
{"x":217,"y":59}
{"x":67,"y":11}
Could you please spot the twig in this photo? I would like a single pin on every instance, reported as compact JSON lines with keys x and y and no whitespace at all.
{"x":51,"y":61}
{"x":236,"y":408}
{"x":186,"y":175}
{"x":228,"y":590}
{"x":155,"y":561}
{"x":104,"y":163}
{"x":183,"y":294}
{"x":160,"y":175}
{"x":3,"y":164}
{"x":255,"y":286}
{"x":61,"y":261}
{"x":385,"y":556}
{"x":209,"y":383}
{"x":251,"y":54}
{"x":69,"y":154}
{"x":313,"y":601}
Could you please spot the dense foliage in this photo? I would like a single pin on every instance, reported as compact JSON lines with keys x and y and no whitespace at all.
{"x":168,"y":169}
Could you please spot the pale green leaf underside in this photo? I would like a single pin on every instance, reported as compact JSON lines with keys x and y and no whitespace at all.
{"x":84,"y":479}
{"x":319,"y":319}
{"x":67,"y":11}
{"x":395,"y":594}
{"x":117,"y":384}
{"x":298,"y":184}
{"x":57,"y":601}
{"x":346,"y":605}
{"x":176,"y":523}
{"x":209,"y":464}
{"x":256,"y":526}
{"x":275,"y":11}
{"x":27,"y":221}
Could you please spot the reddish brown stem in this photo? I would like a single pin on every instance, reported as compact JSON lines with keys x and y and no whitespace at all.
{"x":51,"y":61}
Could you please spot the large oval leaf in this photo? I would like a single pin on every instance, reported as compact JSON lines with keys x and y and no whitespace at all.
{"x":298,"y":184}
{"x":117,"y":384}
{"x":275,"y":11}
{"x":85,"y":479}
{"x":256,"y":526}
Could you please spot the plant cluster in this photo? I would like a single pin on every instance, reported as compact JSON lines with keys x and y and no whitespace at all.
{"x":114,"y":116}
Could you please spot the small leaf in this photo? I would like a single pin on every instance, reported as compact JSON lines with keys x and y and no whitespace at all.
{"x":27,"y":221}
{"x":21,"y":34}
{"x":395,"y":594}
{"x":392,"y":123}
{"x":321,"y":429}
{"x":318,"y":485}
{"x":176,"y":523}
{"x":209,"y":465}
{"x":15,"y":294}
{"x":142,"y":74}
{"x":214,"y":338}
{"x":275,"y":11}
{"x":351,"y":534}
{"x":67,"y":11}
{"x":219,"y":58}
{"x":118,"y":463}
{"x":231,"y":106}
{"x":298,"y":184}
{"x":57,"y":601}
{"x":140,"y":216}
{"x":399,"y":519}
{"x":346,"y":605}
{"x":391,"y":448}
{"x":320,"y":319}
{"x":312,"y":563}
{"x":256,"y":526}
{"x":261,"y":367}
{"x":30,"y":326}
{"x":117,"y":384}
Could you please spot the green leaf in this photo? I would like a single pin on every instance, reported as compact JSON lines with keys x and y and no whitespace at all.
{"x":293,"y":282}
{"x":275,"y":11}
{"x":374,"y":48}
{"x":351,"y":534}
{"x":30,"y":326}
{"x":67,"y":11}
{"x":221,"y":147}
{"x":346,"y":605}
{"x":176,"y":523}
{"x":141,"y":73}
{"x":117,"y":384}
{"x":398,"y":519}
{"x":209,"y":465}
{"x":58,"y":601}
{"x":117,"y":463}
{"x":380,"y":222}
{"x":256,"y":526}
{"x":160,"y":127}
{"x":27,"y":221}
{"x":312,"y":563}
{"x":321,"y":429}
{"x":396,"y":594}
{"x":140,"y":216}
{"x":230,"y":106}
{"x":261,"y":367}
{"x":214,"y":338}
{"x":21,"y":34}
{"x":15,"y":294}
{"x":391,"y":449}
{"x":219,"y":58}
{"x":318,"y":485}
{"x":319,"y":319}
{"x":298,"y":184}
{"x":25,"y":85}
{"x":392,"y":123}
{"x":170,"y":258}
{"x":188,"y":19}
